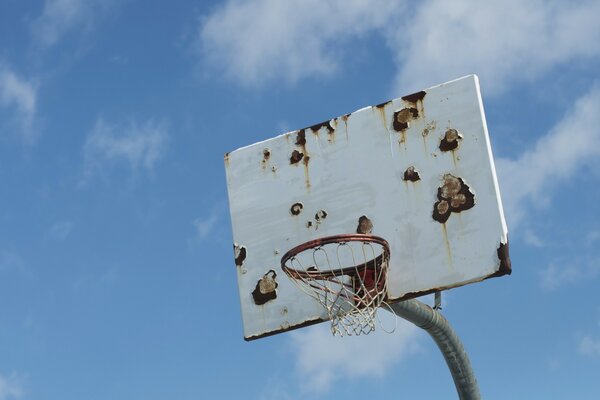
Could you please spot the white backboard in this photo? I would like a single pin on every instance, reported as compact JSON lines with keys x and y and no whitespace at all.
{"x":420,"y":168}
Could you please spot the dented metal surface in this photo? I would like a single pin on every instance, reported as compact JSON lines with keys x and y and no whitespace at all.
{"x":437,"y":204}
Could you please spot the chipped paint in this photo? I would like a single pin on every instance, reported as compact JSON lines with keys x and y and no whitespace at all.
{"x":239,"y":253}
{"x":296,"y":208}
{"x":454,"y":195}
{"x":411,"y":174}
{"x":266,"y":288}
{"x":451,"y":140}
{"x":296,"y":157}
{"x":365,"y":226}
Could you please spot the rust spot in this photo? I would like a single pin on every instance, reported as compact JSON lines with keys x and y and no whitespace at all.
{"x":226,"y":159}
{"x":321,"y":214}
{"x":382,"y":105}
{"x":411,"y":174}
{"x":415,"y":97}
{"x":301,"y":138}
{"x":327,"y":124}
{"x":296,"y":208}
{"x":365,"y":225}
{"x":266,"y":154}
{"x":296,"y":157}
{"x":266,"y":288}
{"x":403,"y":117}
{"x":503,"y":256}
{"x":450,"y":140}
{"x":454,"y":195}
{"x":239,"y":253}
{"x":309,"y":224}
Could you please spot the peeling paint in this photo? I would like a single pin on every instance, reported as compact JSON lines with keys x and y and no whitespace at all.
{"x":415,"y":97}
{"x":320,"y":215}
{"x":365,"y":226}
{"x":296,"y":157}
{"x":503,"y":256}
{"x":454,"y":195}
{"x":239,"y":253}
{"x":403,"y":117}
{"x":296,"y":208}
{"x":266,"y":288}
{"x":325,"y":124}
{"x":411,"y":174}
{"x":451,"y":140}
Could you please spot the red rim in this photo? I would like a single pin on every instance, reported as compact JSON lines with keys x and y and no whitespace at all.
{"x":351,"y":237}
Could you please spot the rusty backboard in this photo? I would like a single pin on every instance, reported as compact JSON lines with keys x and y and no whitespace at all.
{"x":417,"y":171}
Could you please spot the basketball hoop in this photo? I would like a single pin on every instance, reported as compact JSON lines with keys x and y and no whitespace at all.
{"x":346,"y":274}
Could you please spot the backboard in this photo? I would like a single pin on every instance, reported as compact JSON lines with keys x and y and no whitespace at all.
{"x":416,"y":171}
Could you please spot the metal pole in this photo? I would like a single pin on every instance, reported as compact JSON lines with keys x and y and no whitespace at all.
{"x":448,"y":342}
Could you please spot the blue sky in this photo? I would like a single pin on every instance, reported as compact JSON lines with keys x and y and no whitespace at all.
{"x":117,"y":278}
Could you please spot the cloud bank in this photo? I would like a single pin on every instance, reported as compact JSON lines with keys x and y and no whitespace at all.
{"x":256,"y":42}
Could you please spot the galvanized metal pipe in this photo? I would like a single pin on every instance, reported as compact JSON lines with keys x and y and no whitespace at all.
{"x":448,"y":342}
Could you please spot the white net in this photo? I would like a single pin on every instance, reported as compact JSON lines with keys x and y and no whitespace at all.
{"x":347,"y":275}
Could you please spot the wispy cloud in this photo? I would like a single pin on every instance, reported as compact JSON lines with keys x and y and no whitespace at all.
{"x":322,"y":359}
{"x":565,"y":272}
{"x":504,"y":42}
{"x":11,"y":386}
{"x":207,"y":224}
{"x":253,"y":42}
{"x":139,"y":145}
{"x":11,"y":261}
{"x":59,"y":17}
{"x":60,"y":230}
{"x":589,"y":346}
{"x":19,"y":96}
{"x":530,"y":179}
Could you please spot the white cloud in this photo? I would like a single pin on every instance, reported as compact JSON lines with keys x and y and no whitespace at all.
{"x":322,"y":358}
{"x":532,"y":239}
{"x":20,"y":95}
{"x":564,"y":272}
{"x":532,"y":178}
{"x":589,"y":346}
{"x":139,"y":145}
{"x":256,"y":41}
{"x":504,"y":42}
{"x":61,"y":16}
{"x":60,"y":230}
{"x":205,"y":225}
{"x":11,"y":387}
{"x":11,"y":261}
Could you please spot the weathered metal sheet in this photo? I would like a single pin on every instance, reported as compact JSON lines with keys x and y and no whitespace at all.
{"x":417,"y":171}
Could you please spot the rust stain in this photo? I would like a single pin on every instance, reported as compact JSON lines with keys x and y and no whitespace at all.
{"x":296,"y":157}
{"x":296,"y":208}
{"x":454,"y":195}
{"x":301,"y":138}
{"x":309,"y":224}
{"x":325,"y":124}
{"x":505,"y":264}
{"x":226,"y":160}
{"x":266,"y":288}
{"x":411,"y":174}
{"x":320,"y":215}
{"x":415,"y":97}
{"x":239,"y":253}
{"x":345,"y":119}
{"x":265,"y":159}
{"x":382,"y":105}
{"x":365,"y":226}
{"x":403,"y":117}
{"x":447,"y":245}
{"x":451,"y":140}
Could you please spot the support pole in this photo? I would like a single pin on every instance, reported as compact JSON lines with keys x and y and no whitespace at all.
{"x":448,"y":342}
